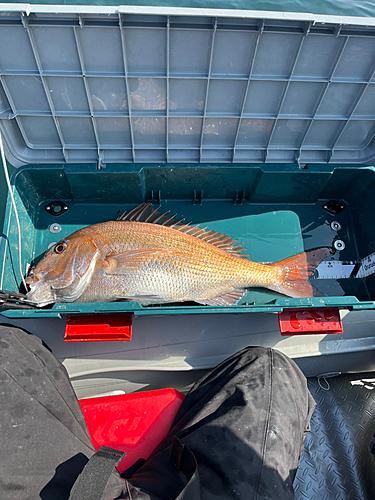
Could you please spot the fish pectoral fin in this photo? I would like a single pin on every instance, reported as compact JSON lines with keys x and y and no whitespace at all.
{"x":228,"y":299}
{"x":132,"y":259}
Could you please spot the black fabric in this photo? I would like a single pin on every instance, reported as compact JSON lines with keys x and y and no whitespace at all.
{"x":44,"y":441}
{"x":243,"y":423}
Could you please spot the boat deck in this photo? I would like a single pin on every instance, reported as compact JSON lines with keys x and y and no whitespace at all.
{"x":337,"y":463}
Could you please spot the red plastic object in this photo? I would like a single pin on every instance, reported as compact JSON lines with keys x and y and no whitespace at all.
{"x":135,"y":423}
{"x":98,"y":327}
{"x":310,"y":321}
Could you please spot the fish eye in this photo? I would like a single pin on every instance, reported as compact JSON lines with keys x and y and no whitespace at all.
{"x":60,"y":247}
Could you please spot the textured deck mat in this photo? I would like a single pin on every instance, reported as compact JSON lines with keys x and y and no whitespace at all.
{"x":337,"y":463}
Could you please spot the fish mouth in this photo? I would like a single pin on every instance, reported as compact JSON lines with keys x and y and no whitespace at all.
{"x":44,"y":291}
{"x":41,"y":287}
{"x":41,"y":293}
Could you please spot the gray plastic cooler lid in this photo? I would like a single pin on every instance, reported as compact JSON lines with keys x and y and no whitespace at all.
{"x":150,"y":84}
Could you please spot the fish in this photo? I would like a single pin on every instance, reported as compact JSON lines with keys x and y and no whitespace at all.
{"x":151,"y":257}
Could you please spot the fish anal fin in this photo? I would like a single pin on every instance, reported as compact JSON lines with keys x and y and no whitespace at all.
{"x":147,"y":213}
{"x":132,"y":259}
{"x":296,"y":272}
{"x":228,"y":299}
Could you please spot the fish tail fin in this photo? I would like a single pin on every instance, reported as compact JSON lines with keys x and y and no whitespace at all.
{"x":296,"y":271}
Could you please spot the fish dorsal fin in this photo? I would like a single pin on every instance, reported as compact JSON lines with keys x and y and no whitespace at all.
{"x":147,"y":213}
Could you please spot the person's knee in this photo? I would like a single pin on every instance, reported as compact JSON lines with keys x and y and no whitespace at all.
{"x":266,"y":353}
{"x":284,"y":369}
{"x":7,"y":330}
{"x":267,"y":356}
{"x":282,"y":361}
{"x":18,"y":339}
{"x":258,"y":352}
{"x":250,"y":355}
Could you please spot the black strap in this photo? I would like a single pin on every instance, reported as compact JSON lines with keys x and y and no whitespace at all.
{"x":92,"y":481}
{"x":183,"y":460}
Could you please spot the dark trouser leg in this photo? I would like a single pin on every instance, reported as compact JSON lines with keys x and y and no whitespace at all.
{"x":44,"y":442}
{"x":245,"y":422}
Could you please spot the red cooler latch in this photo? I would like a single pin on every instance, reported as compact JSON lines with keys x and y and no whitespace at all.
{"x":98,"y":327}
{"x":310,"y":321}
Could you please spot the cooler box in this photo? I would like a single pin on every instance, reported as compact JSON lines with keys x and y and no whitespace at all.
{"x":256,"y":124}
{"x":135,"y":423}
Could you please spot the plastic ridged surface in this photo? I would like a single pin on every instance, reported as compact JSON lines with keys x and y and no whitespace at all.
{"x":337,"y":463}
{"x":123,"y":88}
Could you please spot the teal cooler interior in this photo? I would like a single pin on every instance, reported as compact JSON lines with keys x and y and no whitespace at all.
{"x":260,"y":126}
